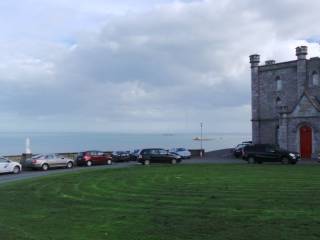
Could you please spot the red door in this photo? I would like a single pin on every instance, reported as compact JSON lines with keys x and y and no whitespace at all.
{"x":305,"y":142}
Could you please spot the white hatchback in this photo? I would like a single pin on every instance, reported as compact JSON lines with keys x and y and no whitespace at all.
{"x":8,"y":166}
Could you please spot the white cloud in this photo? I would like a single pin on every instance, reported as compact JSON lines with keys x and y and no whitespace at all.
{"x":163,"y":65}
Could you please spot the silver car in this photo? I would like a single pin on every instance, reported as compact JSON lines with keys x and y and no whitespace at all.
{"x":46,"y":161}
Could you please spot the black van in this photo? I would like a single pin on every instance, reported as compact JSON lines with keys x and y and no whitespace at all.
{"x":157,"y":155}
{"x":259,"y":153}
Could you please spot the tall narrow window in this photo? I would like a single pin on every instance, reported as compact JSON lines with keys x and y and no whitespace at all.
{"x":277,"y":135}
{"x":315,"y":79}
{"x":279,"y":83}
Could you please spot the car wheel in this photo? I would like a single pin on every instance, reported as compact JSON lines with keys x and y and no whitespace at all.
{"x":251,"y":160}
{"x":45,"y":167}
{"x":146,"y":162}
{"x":109,"y":162}
{"x":285,"y":160}
{"x":89,"y":164}
{"x":173,"y":161}
{"x":69,"y":165}
{"x":16,"y":170}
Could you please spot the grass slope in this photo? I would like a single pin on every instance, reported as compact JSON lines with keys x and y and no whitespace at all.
{"x":166,"y":202}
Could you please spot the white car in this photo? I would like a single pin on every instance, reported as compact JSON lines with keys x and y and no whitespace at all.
{"x":182,"y":152}
{"x":8,"y":166}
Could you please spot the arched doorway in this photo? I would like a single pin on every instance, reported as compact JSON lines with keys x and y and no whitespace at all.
{"x":305,"y":142}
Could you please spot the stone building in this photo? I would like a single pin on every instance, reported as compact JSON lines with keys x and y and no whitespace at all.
{"x":286,"y":103}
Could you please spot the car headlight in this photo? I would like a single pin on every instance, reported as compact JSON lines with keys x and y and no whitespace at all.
{"x":292,"y":155}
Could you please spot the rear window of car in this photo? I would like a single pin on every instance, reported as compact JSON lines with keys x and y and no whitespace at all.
{"x":148,"y":151}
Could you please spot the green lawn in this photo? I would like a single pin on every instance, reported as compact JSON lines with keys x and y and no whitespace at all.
{"x":167,"y":203}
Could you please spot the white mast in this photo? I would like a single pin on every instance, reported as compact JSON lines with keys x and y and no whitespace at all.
{"x":28,"y":149}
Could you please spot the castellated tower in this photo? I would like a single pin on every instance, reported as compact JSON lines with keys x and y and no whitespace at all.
{"x":286,"y":103}
{"x":255,"y":60}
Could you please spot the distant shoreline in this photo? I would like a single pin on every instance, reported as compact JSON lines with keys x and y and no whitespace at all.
{"x":13,"y":143}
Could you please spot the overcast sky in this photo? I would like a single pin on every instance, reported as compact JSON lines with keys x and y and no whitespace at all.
{"x":141,"y":65}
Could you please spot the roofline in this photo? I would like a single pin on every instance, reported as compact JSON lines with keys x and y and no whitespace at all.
{"x":305,"y":93}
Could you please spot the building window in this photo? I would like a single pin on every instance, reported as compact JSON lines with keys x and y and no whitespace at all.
{"x":279,"y":83}
{"x":278,"y":101}
{"x":315,"y":79}
{"x":277,"y":135}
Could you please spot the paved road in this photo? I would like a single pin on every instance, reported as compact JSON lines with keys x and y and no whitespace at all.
{"x":6,"y":178}
{"x":215,"y":157}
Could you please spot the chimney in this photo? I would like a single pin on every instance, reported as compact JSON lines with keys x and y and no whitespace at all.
{"x":302,"y":52}
{"x":254,"y":60}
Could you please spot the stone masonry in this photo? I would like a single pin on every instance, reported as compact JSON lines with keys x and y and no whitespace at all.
{"x":286,"y":103}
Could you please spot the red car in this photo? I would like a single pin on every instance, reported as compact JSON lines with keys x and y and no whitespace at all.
{"x":90,"y":158}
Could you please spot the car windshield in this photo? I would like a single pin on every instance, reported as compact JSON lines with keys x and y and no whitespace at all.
{"x":240,"y":146}
{"x":3,"y":159}
{"x":37,"y":156}
{"x":181,"y":149}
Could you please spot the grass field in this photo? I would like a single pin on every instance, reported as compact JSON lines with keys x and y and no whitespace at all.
{"x":166,"y":203}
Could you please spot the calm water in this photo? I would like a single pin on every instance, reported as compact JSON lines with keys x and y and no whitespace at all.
{"x":14,"y":143}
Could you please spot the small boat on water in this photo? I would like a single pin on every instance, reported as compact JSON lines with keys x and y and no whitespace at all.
{"x":201,"y":139}
{"x":168,"y":134}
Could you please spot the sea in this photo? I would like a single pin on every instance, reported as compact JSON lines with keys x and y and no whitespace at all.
{"x":15,"y":143}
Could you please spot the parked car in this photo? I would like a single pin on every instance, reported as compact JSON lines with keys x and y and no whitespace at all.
{"x":8,"y":166}
{"x":157,"y":155}
{"x":237,"y":151}
{"x":182,"y":152}
{"x":90,"y":158}
{"x":47,"y":161}
{"x":121,"y":156}
{"x":134,"y":155}
{"x":259,"y":153}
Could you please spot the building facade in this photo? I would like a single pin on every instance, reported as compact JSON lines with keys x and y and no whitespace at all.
{"x":286,"y":103}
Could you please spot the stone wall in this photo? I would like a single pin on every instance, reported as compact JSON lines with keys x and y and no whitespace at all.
{"x":294,"y":134}
{"x":294,"y":108}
